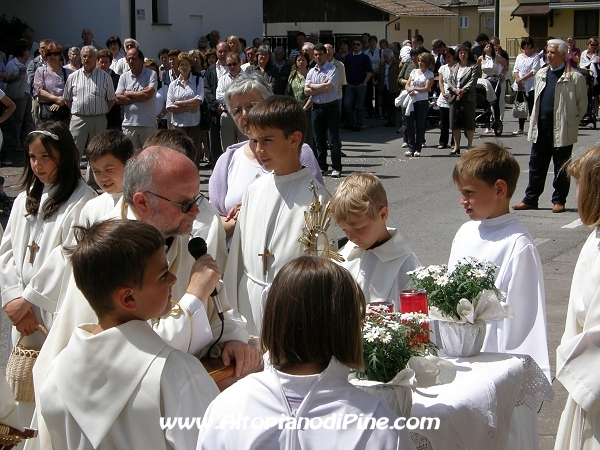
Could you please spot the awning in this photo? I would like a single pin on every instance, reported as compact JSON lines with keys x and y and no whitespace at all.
{"x":537,"y":9}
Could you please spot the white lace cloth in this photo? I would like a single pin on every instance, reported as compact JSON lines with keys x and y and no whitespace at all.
{"x":476,"y":408}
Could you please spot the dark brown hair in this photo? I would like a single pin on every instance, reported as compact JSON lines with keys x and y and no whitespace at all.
{"x":63,"y":152}
{"x":117,"y":253}
{"x":488,"y":162}
{"x":314,"y":311}
{"x":280,"y":112}
{"x":110,"y":142}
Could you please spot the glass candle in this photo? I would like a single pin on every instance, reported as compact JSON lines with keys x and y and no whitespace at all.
{"x":413,"y":300}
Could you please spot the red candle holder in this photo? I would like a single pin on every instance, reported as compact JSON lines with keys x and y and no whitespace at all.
{"x":413,"y":300}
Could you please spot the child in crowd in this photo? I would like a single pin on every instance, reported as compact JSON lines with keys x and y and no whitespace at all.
{"x":486,"y":177}
{"x":577,"y":354}
{"x":114,"y":381}
{"x":107,"y":154}
{"x":312,"y":330}
{"x":377,"y":257}
{"x":271,"y":218}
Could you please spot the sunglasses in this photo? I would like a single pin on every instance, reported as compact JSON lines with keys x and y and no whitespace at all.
{"x":593,"y":45}
{"x":232,"y":64}
{"x":357,"y":44}
{"x":185,"y":206}
{"x":52,"y":53}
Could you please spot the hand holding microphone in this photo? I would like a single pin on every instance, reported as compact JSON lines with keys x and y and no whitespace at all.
{"x":205,"y":274}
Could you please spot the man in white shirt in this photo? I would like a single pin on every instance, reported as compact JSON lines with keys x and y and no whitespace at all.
{"x":136,"y":92}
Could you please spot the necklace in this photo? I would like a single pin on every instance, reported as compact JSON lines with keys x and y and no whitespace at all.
{"x":266,"y":254}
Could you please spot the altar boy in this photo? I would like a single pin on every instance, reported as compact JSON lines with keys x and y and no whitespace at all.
{"x":107,"y":154}
{"x":271,"y":218}
{"x":378,"y":257}
{"x":486,"y":177}
{"x":115,"y":379}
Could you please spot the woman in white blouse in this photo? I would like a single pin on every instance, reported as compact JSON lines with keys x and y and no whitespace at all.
{"x":589,"y":60}
{"x":526,"y":66}
{"x":492,"y":70}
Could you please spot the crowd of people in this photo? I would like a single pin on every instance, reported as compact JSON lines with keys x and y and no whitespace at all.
{"x":131,"y":302}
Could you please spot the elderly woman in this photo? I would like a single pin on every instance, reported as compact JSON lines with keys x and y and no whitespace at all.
{"x":295,"y":88}
{"x":184,"y":97}
{"x":264,"y":67}
{"x":463,"y":79}
{"x":574,"y":54}
{"x":74,"y":59}
{"x":113,"y":43}
{"x":49,"y":84}
{"x":122,"y":65}
{"x":526,"y":66}
{"x":238,"y":167}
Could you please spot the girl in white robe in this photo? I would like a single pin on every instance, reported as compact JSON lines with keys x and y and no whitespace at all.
{"x":41,"y":219}
{"x":578,"y":352}
{"x":312,"y":332}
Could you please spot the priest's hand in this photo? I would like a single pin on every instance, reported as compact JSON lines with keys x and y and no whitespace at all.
{"x":28,"y":324}
{"x":16,"y":309}
{"x":247,"y":358}
{"x":204,"y":277}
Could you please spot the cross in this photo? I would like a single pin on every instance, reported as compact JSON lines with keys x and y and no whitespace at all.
{"x":32,"y":249}
{"x":265,"y":256}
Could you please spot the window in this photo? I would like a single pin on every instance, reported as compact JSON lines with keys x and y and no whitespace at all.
{"x":463,"y":22}
{"x":396,"y":26}
{"x":160,"y":11}
{"x":488,"y":22}
{"x":585,"y":23}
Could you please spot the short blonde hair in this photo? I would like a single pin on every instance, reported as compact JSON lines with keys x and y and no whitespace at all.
{"x":186,"y":56}
{"x":360,"y":194}
{"x":586,"y":170}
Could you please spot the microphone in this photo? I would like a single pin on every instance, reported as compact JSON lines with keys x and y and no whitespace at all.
{"x":197,"y":248}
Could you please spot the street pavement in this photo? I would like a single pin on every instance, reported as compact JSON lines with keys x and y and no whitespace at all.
{"x":424,"y":206}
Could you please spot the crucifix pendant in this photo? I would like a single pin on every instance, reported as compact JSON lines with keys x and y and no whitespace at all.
{"x":265,"y":257}
{"x":33,"y":247}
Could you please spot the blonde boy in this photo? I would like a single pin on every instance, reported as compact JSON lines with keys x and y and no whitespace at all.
{"x":377,"y":256}
{"x":486,"y":178}
{"x":114,"y":380}
{"x":271,"y":218}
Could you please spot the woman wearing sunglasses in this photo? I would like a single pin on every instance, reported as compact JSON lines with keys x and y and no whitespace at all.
{"x":49,"y":84}
{"x":589,"y":60}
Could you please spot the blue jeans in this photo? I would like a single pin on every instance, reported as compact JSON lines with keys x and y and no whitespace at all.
{"x":415,"y":125}
{"x":355,"y":95}
{"x":326,"y":128}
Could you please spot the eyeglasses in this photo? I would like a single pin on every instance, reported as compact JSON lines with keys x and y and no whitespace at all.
{"x":357,"y":44}
{"x":232,"y":64}
{"x":185,"y":206}
{"x":237,"y":112}
{"x":52,"y":53}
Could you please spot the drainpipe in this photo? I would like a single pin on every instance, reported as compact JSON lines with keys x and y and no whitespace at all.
{"x":385,"y":28}
{"x":132,"y":18}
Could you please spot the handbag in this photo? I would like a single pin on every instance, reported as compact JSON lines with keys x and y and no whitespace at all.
{"x":520,"y":110}
{"x":19,"y":369}
{"x":60,"y":114}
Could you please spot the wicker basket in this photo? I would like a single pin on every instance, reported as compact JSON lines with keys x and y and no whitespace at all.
{"x":19,"y":370}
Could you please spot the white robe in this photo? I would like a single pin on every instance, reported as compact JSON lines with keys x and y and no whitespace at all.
{"x":578,"y":354}
{"x":177,"y":330}
{"x":506,"y":242}
{"x":99,"y":207}
{"x":260,"y":396}
{"x":272,"y":216}
{"x":381,"y":271}
{"x":16,"y":272}
{"x":109,"y":391}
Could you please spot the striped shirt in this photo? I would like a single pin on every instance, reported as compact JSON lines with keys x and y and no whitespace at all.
{"x":318,"y":76}
{"x":89,"y":92}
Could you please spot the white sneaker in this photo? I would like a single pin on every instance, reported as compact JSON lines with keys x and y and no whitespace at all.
{"x":409,"y":153}
{"x":335,"y":174}
{"x":405,"y":145}
{"x":416,"y":154}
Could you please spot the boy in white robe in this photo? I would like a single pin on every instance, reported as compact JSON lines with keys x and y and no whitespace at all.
{"x":107,"y":154}
{"x":271,"y":218}
{"x":115,"y":379}
{"x":377,"y":257}
{"x":486,"y":178}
